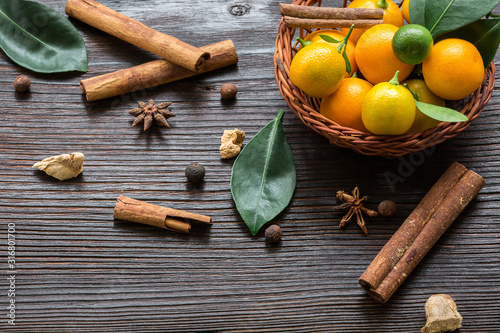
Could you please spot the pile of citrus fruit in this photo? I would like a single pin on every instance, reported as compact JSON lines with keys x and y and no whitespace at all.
{"x":389,"y":67}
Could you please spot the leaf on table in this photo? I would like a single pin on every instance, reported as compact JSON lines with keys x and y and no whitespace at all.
{"x":263,"y":177}
{"x":441,"y":16}
{"x":484,"y":34}
{"x":441,"y":113}
{"x":38,"y":38}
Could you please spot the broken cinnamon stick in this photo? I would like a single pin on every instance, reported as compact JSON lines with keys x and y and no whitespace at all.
{"x":420,"y":231}
{"x":136,"y":33}
{"x":298,"y":16}
{"x":154,"y":73}
{"x":131,"y":210}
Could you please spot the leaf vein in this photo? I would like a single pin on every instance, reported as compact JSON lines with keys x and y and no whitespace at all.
{"x":27,"y":32}
{"x":45,"y":45}
{"x":266,"y":164}
{"x":442,"y":15}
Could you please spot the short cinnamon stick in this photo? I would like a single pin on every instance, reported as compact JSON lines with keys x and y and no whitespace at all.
{"x":404,"y":251}
{"x":155,"y":73}
{"x":136,"y":33}
{"x":131,"y":210}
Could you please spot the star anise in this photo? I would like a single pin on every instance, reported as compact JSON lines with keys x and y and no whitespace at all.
{"x":149,"y":112}
{"x":355,"y":205}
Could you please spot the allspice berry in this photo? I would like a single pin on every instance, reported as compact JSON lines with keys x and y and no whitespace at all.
{"x":22,"y":83}
{"x":228,"y":91}
{"x":387,"y":208}
{"x":273,"y":234}
{"x":195,"y":173}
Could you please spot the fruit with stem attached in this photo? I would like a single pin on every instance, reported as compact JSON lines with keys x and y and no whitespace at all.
{"x":388,"y":108}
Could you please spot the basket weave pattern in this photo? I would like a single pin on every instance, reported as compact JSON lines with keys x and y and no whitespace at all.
{"x":307,"y":108}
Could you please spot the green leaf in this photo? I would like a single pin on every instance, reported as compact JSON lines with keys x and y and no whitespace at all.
{"x":38,"y":38}
{"x":441,"y":16}
{"x":484,"y":34}
{"x":329,"y":39}
{"x":263,"y":178}
{"x":441,"y":113}
{"x":348,"y":66}
{"x":342,"y":49}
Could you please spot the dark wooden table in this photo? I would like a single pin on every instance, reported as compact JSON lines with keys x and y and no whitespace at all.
{"x":79,"y":271}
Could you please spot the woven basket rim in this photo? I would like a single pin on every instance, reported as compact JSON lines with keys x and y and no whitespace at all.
{"x":306,"y":108}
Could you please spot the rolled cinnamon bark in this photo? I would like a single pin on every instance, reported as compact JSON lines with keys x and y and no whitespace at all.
{"x":136,"y":33}
{"x":131,"y":210}
{"x":296,"y":16}
{"x":443,"y":215}
{"x":313,"y":12}
{"x":411,"y":228}
{"x":297,"y":22}
{"x":155,"y":73}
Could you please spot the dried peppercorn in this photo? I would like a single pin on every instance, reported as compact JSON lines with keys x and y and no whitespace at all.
{"x":195,"y":173}
{"x":228,"y":91}
{"x":273,"y":234}
{"x":387,"y":208}
{"x":22,"y":83}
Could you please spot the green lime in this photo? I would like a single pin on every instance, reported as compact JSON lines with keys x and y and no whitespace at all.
{"x":412,"y":44}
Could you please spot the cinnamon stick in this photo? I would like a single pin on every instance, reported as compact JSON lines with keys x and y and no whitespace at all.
{"x":420,"y":231}
{"x":411,"y":227}
{"x":295,"y":22}
{"x":154,"y":73}
{"x":313,"y":12}
{"x":136,"y":33}
{"x":298,"y":16}
{"x":131,"y":210}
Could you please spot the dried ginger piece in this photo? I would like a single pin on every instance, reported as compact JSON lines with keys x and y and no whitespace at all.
{"x":231,"y":142}
{"x":63,"y":166}
{"x":442,"y":315}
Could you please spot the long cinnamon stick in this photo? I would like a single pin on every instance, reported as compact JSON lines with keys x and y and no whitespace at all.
{"x":155,"y":73}
{"x":448,"y":209}
{"x":131,"y":210}
{"x":296,"y":16}
{"x":411,"y":228}
{"x":136,"y":33}
{"x":296,"y":22}
{"x":313,"y":12}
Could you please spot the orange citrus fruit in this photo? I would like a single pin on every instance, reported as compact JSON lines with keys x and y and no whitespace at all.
{"x":392,"y":14}
{"x":317,"y":69}
{"x":454,"y":69}
{"x":405,"y":10}
{"x":344,"y":105}
{"x":338,"y":35}
{"x":388,"y":108}
{"x":423,"y":94}
{"x":375,"y":57}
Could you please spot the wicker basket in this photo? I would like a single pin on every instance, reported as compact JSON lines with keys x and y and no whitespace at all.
{"x":307,"y":108}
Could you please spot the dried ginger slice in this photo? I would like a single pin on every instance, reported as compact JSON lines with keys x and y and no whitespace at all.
{"x":442,"y":315}
{"x":63,"y":166}
{"x":231,"y":142}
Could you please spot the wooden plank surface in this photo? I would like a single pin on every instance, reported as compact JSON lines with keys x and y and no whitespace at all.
{"x":79,"y":271}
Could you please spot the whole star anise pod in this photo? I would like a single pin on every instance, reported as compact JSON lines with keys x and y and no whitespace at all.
{"x":149,"y":112}
{"x":355,"y":205}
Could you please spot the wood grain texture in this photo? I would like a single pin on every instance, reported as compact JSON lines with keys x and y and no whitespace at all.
{"x":79,"y":271}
